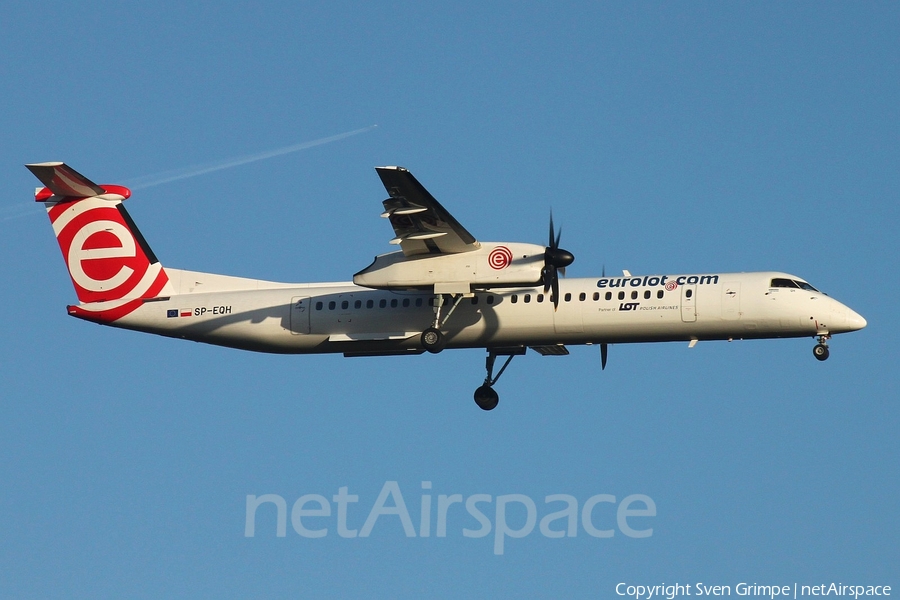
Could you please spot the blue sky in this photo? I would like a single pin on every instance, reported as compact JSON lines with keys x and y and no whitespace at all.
{"x":666,"y":138}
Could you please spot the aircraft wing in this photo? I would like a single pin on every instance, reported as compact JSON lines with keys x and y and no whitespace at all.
{"x":421,"y":225}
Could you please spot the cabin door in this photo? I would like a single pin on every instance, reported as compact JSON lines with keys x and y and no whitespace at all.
{"x":689,"y":303}
{"x":300,"y":314}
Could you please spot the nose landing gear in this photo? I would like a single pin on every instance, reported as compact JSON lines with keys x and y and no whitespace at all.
{"x":820,"y":351}
{"x":485,"y":396}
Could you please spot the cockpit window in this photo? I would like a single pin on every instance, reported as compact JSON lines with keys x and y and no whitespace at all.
{"x":781,"y":282}
{"x":784,"y":283}
{"x":788,"y":283}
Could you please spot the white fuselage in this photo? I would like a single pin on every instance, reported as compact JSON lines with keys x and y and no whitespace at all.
{"x":343,"y":317}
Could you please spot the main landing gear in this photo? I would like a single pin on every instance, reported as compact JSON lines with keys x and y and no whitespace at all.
{"x":432,"y":338}
{"x":820,"y":351}
{"x":485,"y":396}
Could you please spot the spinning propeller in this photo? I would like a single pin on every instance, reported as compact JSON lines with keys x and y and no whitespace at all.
{"x":555,"y":260}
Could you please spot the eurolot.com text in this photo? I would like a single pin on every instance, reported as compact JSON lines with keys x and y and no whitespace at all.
{"x":476,"y":516}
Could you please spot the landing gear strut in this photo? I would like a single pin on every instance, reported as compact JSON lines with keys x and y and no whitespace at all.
{"x":820,"y":351}
{"x":432,"y":339}
{"x":485,"y":396}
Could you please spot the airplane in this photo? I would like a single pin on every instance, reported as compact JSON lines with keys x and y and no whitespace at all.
{"x":442,"y":289}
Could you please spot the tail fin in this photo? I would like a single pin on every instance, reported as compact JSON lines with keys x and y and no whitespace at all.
{"x":111,"y":265}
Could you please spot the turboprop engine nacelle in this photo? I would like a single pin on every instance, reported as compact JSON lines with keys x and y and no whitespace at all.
{"x":492,"y":265}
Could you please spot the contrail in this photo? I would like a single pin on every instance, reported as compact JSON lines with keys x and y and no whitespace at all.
{"x":140,"y":183}
{"x":169,"y":176}
{"x":18,"y":211}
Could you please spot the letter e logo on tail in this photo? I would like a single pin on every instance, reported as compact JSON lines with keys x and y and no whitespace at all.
{"x":111,"y":266}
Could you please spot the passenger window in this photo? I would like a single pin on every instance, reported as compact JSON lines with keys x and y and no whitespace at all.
{"x":659,"y":294}
{"x":634,"y":295}
{"x":597,"y":296}
{"x":357,"y":304}
{"x":382,"y":303}
{"x":540,"y":297}
{"x":405,"y":302}
{"x":474,"y":299}
{"x":527,"y":298}
{"x":418,"y":302}
{"x":345,"y":305}
{"x":393,"y":303}
{"x":621,"y":295}
{"x":582,"y":296}
{"x":490,"y":299}
{"x":567,"y":297}
{"x":646,"y":294}
{"x":514,"y":298}
{"x":318,"y":306}
{"x":370,"y":303}
{"x":331,"y":305}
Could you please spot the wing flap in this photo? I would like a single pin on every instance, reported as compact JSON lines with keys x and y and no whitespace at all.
{"x":421,"y":225}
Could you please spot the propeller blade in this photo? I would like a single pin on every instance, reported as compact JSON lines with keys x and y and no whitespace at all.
{"x":555,"y":262}
{"x":555,"y":284}
{"x":551,"y":242}
{"x":604,"y":354}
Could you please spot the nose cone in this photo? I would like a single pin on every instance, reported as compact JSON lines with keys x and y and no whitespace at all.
{"x":845,"y":319}
{"x":855,"y":321}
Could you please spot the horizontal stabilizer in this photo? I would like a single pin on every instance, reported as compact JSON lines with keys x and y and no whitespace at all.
{"x":63,"y":180}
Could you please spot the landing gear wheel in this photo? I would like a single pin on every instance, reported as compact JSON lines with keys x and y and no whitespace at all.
{"x":486,"y":398}
{"x":433,"y":340}
{"x":820,"y":351}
